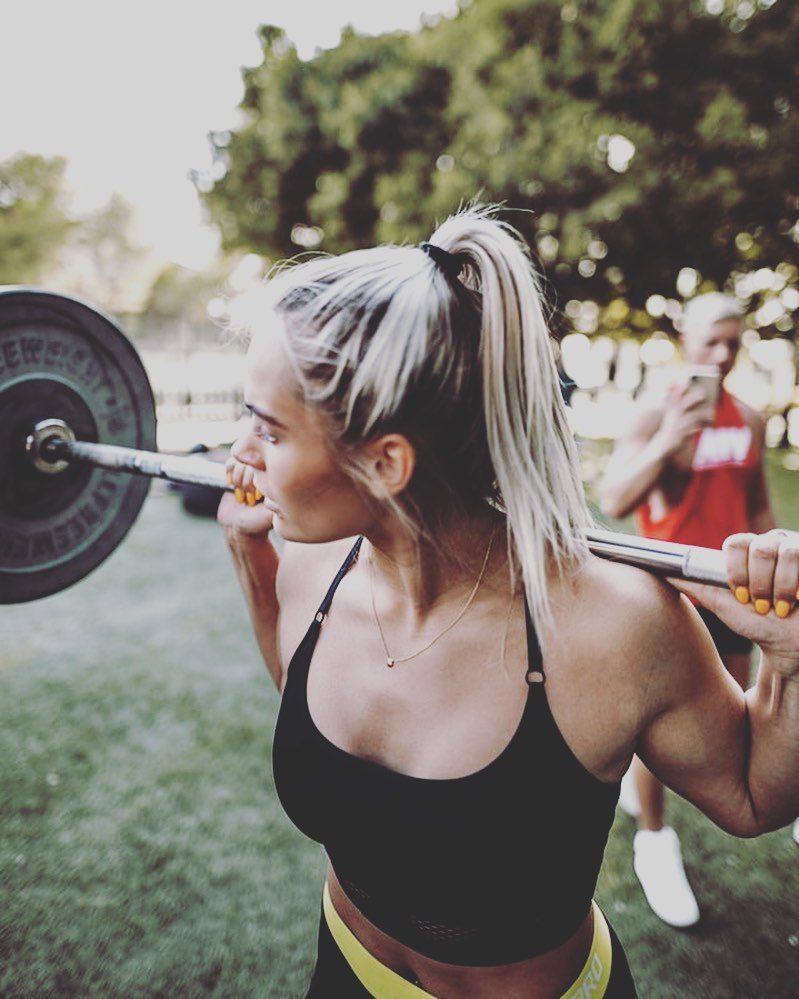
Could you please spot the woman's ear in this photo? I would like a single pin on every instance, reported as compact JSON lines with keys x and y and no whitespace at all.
{"x":392,"y":460}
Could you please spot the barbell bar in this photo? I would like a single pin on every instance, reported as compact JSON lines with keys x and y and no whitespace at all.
{"x":52,"y":444}
{"x":691,"y":562}
{"x":76,"y":409}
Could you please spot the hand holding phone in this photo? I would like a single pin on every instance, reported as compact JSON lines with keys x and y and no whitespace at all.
{"x":690,"y":407}
{"x":708,"y":379}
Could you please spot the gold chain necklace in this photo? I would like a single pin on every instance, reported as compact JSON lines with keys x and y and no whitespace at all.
{"x":390,"y":660}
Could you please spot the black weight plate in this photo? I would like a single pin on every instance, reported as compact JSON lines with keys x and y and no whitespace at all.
{"x":60,"y":358}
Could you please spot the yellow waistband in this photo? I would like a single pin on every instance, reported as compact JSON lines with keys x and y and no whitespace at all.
{"x":383,"y":983}
{"x":595,"y":975}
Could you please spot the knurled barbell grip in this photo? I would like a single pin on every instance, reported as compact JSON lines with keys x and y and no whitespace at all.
{"x":186,"y":469}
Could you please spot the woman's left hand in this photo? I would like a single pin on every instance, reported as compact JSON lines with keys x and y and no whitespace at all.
{"x":763,"y":576}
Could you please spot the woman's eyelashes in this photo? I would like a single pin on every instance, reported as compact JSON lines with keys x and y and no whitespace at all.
{"x":262,"y":432}
{"x":259,"y":427}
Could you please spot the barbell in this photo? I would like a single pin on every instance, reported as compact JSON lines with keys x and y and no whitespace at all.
{"x":77,"y":409}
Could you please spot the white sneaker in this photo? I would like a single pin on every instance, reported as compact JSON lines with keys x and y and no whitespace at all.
{"x":796,"y":831}
{"x":658,"y":864}
{"x":629,"y":801}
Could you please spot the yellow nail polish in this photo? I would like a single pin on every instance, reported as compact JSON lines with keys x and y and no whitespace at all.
{"x":742,"y":594}
{"x":762,"y":606}
{"x":258,"y":495}
{"x":782,"y":608}
{"x":239,"y":494}
{"x":250,"y":497}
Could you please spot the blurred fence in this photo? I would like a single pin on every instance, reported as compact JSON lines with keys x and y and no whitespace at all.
{"x":187,"y":418}
{"x":198,"y":395}
{"x":199,"y":406}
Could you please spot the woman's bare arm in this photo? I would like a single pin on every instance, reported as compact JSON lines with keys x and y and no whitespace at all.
{"x":732,"y":754}
{"x":255,"y":561}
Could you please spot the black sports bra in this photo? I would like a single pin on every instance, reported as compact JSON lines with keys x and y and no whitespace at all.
{"x":487,"y":869}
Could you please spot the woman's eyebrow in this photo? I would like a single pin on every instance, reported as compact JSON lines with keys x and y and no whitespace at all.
{"x":267,"y":417}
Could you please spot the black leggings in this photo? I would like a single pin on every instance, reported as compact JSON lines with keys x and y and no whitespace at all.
{"x":334,"y":979}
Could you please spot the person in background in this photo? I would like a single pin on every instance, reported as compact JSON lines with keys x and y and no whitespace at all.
{"x":691,"y":469}
{"x":462,"y":682}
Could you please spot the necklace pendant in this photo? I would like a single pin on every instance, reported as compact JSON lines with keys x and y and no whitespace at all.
{"x":403,"y":659}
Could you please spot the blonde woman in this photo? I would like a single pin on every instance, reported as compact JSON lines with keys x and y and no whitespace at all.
{"x":463,"y":684}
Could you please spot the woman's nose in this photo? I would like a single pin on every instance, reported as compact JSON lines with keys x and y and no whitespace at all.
{"x":245,"y":450}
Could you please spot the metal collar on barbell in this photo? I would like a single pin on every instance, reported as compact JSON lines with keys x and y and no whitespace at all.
{"x":41,"y":446}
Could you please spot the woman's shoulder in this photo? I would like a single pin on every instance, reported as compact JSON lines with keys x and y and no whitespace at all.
{"x":607,"y":655}
{"x":638,"y":588}
{"x":624,"y":615}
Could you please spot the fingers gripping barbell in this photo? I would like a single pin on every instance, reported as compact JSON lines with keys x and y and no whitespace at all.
{"x":76,"y":409}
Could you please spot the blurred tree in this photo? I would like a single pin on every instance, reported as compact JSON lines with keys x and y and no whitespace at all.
{"x":33,"y":218}
{"x":321,"y":139}
{"x":178,"y":300}
{"x":634,"y":140}
{"x":103,"y":258}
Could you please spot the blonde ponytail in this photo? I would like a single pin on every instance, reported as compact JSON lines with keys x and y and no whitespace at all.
{"x":453,"y":352}
{"x":532,"y":448}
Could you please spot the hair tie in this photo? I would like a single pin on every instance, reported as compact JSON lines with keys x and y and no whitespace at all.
{"x":450,"y":263}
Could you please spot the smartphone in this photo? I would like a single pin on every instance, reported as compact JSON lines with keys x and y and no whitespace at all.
{"x":708,"y":379}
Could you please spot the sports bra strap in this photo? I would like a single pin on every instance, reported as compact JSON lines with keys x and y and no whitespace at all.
{"x":535,"y":658}
{"x":324,"y":607}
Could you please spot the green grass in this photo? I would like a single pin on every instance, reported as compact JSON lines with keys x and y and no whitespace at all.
{"x":143,"y":852}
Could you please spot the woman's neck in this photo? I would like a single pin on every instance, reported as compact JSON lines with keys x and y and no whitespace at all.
{"x":426,"y":575}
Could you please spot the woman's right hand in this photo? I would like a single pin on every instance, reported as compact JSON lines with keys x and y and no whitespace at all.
{"x":242,"y":509}
{"x":761,"y":602}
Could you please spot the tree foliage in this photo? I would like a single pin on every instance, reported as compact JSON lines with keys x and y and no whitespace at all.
{"x":94,"y":256}
{"x":33,"y":219}
{"x":629,"y":139}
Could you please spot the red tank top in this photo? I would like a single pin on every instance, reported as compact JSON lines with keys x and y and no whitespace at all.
{"x":724,"y":474}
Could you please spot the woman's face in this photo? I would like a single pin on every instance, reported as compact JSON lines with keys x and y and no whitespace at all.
{"x":311,"y":498}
